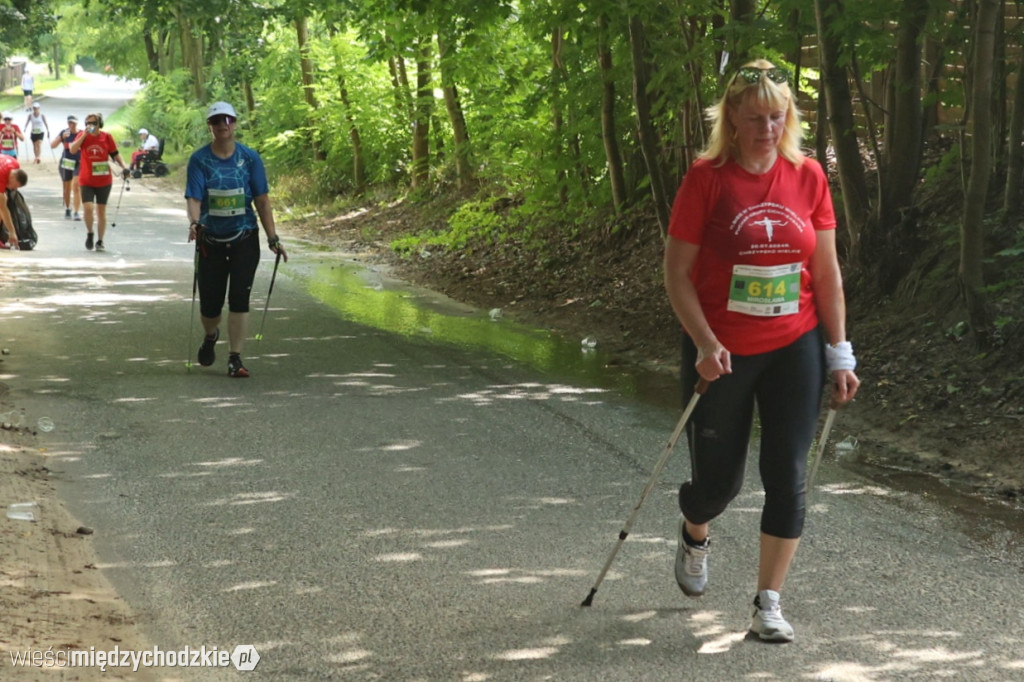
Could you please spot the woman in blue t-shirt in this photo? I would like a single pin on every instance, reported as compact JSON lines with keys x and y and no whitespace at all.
{"x":226,"y":182}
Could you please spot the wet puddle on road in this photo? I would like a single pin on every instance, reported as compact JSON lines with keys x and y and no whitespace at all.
{"x":365,"y":295}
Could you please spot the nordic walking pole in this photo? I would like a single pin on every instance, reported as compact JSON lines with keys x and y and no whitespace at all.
{"x":701,"y":387}
{"x":266,"y":306}
{"x":822,"y":442}
{"x":121,"y":194}
{"x":192,"y":314}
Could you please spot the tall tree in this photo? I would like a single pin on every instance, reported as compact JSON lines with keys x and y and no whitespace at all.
{"x":972,"y":230}
{"x":453,"y":104}
{"x":423,"y":112}
{"x":306,"y":75}
{"x":609,"y":133}
{"x":1015,"y":138}
{"x":902,"y":157}
{"x":646,"y":130}
{"x":842,"y":124}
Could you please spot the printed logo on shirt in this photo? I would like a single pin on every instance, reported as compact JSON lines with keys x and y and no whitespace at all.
{"x":763,"y":225}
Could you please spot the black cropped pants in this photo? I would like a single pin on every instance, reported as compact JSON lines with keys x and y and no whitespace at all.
{"x":786,"y":386}
{"x":227,"y":269}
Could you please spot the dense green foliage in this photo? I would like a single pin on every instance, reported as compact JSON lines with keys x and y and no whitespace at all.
{"x":551,"y":103}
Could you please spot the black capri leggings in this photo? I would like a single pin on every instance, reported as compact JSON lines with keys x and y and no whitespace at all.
{"x":227,"y":263}
{"x":786,"y":385}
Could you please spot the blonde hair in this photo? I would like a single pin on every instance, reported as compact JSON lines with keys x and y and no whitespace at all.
{"x":763,"y":92}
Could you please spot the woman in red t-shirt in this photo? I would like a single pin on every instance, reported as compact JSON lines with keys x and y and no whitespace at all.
{"x":752,"y":273}
{"x":94,"y":176}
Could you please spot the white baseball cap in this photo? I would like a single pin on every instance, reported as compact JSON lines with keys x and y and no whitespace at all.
{"x":143,"y":131}
{"x":35,"y":105}
{"x":220,"y":108}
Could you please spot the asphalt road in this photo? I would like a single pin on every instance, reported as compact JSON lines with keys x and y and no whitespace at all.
{"x":380,"y":503}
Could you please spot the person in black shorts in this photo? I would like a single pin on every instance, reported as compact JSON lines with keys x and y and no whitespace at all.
{"x":68,"y":167}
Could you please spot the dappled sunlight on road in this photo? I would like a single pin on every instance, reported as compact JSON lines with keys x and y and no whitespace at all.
{"x":250,"y":498}
{"x":528,"y":391}
{"x":848,"y":488}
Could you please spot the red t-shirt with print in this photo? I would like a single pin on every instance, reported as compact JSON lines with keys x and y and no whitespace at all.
{"x":95,"y":168}
{"x":751,"y":229}
{"x":9,"y":139}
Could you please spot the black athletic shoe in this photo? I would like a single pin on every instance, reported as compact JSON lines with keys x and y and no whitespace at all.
{"x":236,"y":368}
{"x":99,"y":245}
{"x":88,"y":241}
{"x":206,"y":354}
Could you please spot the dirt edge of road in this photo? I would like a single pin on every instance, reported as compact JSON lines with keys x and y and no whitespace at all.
{"x":55,"y":598}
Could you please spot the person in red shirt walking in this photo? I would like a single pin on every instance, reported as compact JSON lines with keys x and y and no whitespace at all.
{"x":752,"y":274}
{"x":12,"y":177}
{"x":10,"y":136}
{"x":95,"y":178}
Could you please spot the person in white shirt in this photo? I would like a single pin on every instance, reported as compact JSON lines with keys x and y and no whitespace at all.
{"x":36,"y":125}
{"x":28,"y":84}
{"x":147,"y":144}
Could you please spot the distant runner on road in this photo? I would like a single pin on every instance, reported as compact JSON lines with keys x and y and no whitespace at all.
{"x":94,"y":176}
{"x":28,"y":86}
{"x":38,"y":128}
{"x":68,"y":167}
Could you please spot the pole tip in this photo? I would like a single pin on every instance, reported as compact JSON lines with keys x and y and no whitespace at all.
{"x":590,"y":597}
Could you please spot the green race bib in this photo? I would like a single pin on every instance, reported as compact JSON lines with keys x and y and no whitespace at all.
{"x":765,"y":291}
{"x":67,"y":164}
{"x":100,"y":168}
{"x":225,"y":203}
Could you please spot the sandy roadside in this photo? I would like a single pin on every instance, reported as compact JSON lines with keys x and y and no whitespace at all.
{"x":52,"y":596}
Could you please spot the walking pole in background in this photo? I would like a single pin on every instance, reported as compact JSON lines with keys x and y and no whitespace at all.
{"x":822,"y":442}
{"x":266,"y":306}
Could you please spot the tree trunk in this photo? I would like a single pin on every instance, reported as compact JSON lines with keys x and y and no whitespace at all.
{"x":972,"y":232}
{"x":250,"y":98}
{"x":400,"y":82}
{"x":842,"y":125}
{"x":903,"y":132}
{"x":646,"y":131}
{"x":460,"y":132}
{"x":306,"y":71}
{"x":609,"y":134}
{"x":152,"y":52}
{"x":1014,"y":155}
{"x":421,"y":121}
{"x":821,"y":127}
{"x":358,"y":157}
{"x":999,"y":96}
{"x":741,"y":12}
{"x":192,"y":57}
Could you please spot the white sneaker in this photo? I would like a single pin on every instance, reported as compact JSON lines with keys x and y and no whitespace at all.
{"x":691,"y":565}
{"x":768,"y":623}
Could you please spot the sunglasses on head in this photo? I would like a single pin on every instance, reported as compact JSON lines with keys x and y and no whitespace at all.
{"x":220,"y":119}
{"x":753,"y":74}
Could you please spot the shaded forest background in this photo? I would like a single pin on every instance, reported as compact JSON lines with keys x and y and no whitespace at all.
{"x":525,"y":154}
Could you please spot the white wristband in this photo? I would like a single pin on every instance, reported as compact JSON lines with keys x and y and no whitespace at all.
{"x":840,"y":356}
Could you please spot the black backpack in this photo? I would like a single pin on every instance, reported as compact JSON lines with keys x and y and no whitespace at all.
{"x":27,"y":237}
